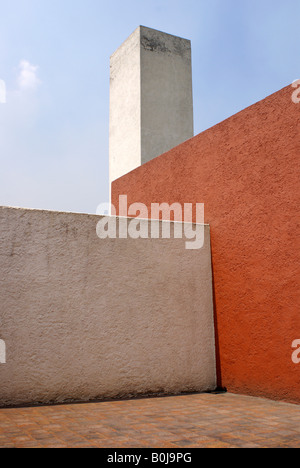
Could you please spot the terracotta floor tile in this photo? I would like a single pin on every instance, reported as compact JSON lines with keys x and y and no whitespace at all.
{"x":205,"y":420}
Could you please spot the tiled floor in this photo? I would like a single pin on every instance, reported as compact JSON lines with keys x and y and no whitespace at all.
{"x":206,"y":420}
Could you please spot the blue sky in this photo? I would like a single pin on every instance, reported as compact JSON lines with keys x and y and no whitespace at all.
{"x":54,"y":59}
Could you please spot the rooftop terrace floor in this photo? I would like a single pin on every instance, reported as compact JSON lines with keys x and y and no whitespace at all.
{"x":202,"y":420}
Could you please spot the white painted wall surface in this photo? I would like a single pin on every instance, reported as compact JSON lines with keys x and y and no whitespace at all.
{"x":125,"y":108}
{"x":84,"y":318}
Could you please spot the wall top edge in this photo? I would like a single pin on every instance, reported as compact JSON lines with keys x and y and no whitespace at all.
{"x":142,"y":31}
{"x":93,"y":215}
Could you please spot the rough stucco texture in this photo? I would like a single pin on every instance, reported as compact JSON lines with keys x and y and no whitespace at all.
{"x":85,"y":318}
{"x":246,"y":172}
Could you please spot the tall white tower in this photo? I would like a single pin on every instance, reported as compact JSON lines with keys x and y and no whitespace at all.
{"x":151,"y":98}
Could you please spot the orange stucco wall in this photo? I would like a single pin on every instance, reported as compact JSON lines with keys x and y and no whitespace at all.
{"x":246,"y":172}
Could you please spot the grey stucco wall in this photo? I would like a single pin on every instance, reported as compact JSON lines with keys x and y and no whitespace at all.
{"x":84,"y":318}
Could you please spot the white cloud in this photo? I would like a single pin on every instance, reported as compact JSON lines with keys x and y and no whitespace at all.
{"x":28,"y":78}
